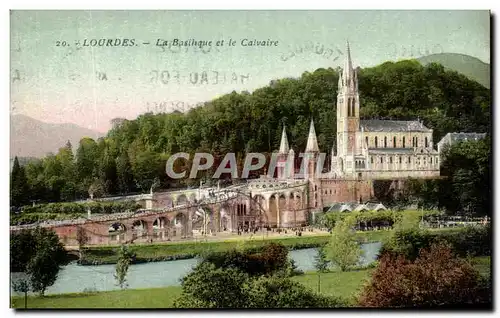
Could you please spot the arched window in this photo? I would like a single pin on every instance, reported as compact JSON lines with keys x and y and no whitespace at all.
{"x":404,"y":142}
{"x":390,"y":159}
{"x":385,"y":142}
{"x":416,"y":141}
{"x":400,"y":159}
{"x":348,"y":107}
{"x":366,"y":138}
{"x":381,"y":159}
{"x":394,"y":142}
{"x":371,"y":159}
{"x":426,"y":142}
{"x":431,"y":160}
{"x":376,"y":142}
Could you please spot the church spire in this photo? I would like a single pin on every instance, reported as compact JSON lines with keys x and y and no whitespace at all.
{"x":348,"y":70}
{"x":312,"y":141}
{"x":284,"y":148}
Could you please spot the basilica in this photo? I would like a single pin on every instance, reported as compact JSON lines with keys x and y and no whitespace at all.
{"x":366,"y":150}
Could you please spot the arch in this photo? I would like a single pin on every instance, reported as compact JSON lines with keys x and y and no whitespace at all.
{"x":160,"y":223}
{"x":376,"y":142}
{"x":385,"y":141}
{"x":341,"y":164}
{"x":181,"y":200}
{"x":366,"y":140}
{"x":394,"y":142}
{"x":117,"y":227}
{"x":404,"y":142}
{"x":282,"y":202}
{"x":179,"y":220}
{"x":426,"y":142}
{"x":139,"y":225}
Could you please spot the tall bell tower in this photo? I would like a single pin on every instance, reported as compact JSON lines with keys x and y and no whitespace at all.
{"x":347,"y":116}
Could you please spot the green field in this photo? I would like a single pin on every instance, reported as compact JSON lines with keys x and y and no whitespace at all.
{"x":336,"y":283}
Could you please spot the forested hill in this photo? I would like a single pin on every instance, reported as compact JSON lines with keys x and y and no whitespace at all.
{"x":133,"y":154}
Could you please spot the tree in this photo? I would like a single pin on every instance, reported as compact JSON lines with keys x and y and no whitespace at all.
{"x":124,"y":174}
{"x":343,"y":249}
{"x":22,"y":286}
{"x":82,"y":239}
{"x":18,"y":184}
{"x":49,"y":256}
{"x":121,"y":269}
{"x":436,"y":278}
{"x":321,"y":264}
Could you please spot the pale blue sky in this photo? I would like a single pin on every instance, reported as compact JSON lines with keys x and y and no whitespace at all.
{"x":58,"y":84}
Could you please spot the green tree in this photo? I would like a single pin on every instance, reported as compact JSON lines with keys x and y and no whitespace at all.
{"x":18,"y":185}
{"x":124,"y":174}
{"x":122,"y":266}
{"x":343,"y":249}
{"x":82,"y":238}
{"x":44,"y":265}
{"x":22,"y":286}
{"x":321,"y":264}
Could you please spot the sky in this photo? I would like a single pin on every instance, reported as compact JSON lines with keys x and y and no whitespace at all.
{"x":58,"y":77}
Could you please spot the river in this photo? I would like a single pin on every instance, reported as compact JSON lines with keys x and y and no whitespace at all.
{"x":74,"y":278}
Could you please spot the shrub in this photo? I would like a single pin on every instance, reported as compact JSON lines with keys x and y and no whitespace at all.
{"x":407,"y":242}
{"x":210,"y":287}
{"x":254,"y":261}
{"x":435,"y":278}
{"x":276,"y":292}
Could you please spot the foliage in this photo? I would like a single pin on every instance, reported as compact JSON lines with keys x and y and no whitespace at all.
{"x":343,"y":249}
{"x":121,"y":269}
{"x":65,"y":211}
{"x":82,"y":239}
{"x":407,"y":242}
{"x":18,"y":185}
{"x":208,"y":286}
{"x":471,"y":241}
{"x":45,"y":258}
{"x":22,"y":286}
{"x":321,"y":261}
{"x":134,"y":152}
{"x":276,"y":292}
{"x":269,"y":259}
{"x":435,"y":278}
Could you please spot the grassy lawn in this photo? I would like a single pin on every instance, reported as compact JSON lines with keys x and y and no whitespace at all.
{"x":336,"y":283}
{"x":132,"y":298}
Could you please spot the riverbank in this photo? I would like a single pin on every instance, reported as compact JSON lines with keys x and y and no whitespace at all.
{"x":185,"y":250}
{"x":342,"y":284}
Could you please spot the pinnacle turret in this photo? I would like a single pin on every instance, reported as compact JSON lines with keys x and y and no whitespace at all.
{"x":284,"y":148}
{"x":312,"y":141}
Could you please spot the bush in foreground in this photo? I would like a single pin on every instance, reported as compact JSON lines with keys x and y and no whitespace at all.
{"x":435,"y":279}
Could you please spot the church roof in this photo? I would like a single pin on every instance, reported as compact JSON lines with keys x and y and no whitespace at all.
{"x":392,"y":125}
{"x":454,"y":137}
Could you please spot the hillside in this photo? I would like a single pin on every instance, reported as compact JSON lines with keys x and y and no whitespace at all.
{"x":33,"y":138}
{"x":468,"y":65}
